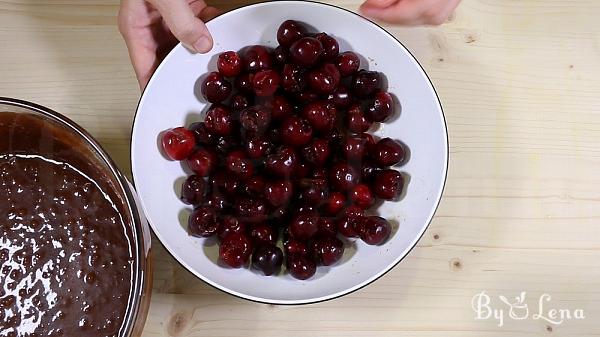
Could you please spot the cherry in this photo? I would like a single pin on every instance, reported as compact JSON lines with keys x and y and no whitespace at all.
{"x":356,"y":120}
{"x":362,"y":196}
{"x":354,"y":148}
{"x":335,"y":138}
{"x":317,"y":152}
{"x":243,"y":83}
{"x":255,"y":186}
{"x":320,"y":115}
{"x":306,"y":51}
{"x":215,"y":88}
{"x":255,"y":120}
{"x":216,"y":201}
{"x":229,"y":64}
{"x":203,"y":222}
{"x":265,"y":82}
{"x":331,"y":48}
{"x":314,"y":191}
{"x":375,"y":230}
{"x":226,"y":144}
{"x":295,"y":247}
{"x":193,"y":190}
{"x":280,"y":56}
{"x":267,"y":258}
{"x":342,"y":176}
{"x":240,"y":102}
{"x":279,"y":192}
{"x":304,"y":225}
{"x":347,"y":63}
{"x":368,"y":170}
{"x":256,"y":58}
{"x":335,"y":203}
{"x":203,"y":162}
{"x":327,"y":227}
{"x":225,"y":183}
{"x":328,"y":250}
{"x":202,"y":135}
{"x":280,"y":108}
{"x":219,"y":120}
{"x":178,"y":143}
{"x":324,"y":79}
{"x":289,"y":32}
{"x":350,"y":221}
{"x":235,"y":250}
{"x":258,"y":147}
{"x":302,"y":170}
{"x":293,"y":78}
{"x":263,"y":233}
{"x":380,"y":108}
{"x":388,"y":184}
{"x":250,"y":209}
{"x":388,"y":152}
{"x":228,"y":225}
{"x":319,"y":173}
{"x":340,"y":97}
{"x":366,"y":83}
{"x":295,"y":131}
{"x":305,"y":97}
{"x":301,"y":266}
{"x":238,"y":163}
{"x":283,"y":162}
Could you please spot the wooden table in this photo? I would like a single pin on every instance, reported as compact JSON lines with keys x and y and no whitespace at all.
{"x":520,"y":85}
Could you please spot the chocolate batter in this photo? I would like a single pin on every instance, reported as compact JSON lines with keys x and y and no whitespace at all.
{"x":65,"y":253}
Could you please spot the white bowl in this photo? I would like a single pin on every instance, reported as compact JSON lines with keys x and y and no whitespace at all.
{"x":170,"y":100}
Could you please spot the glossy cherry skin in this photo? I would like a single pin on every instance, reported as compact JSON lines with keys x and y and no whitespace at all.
{"x":366,"y":83}
{"x":178,"y":143}
{"x":388,"y":184}
{"x":327,"y":227}
{"x":267,"y":258}
{"x":331,"y":48}
{"x":375,"y":230}
{"x":225,"y":183}
{"x":202,"y":135}
{"x":203,"y":162}
{"x":347,"y":63}
{"x":228,"y":225}
{"x":301,"y":266}
{"x":313,"y":192}
{"x":215,"y":88}
{"x":320,"y":115}
{"x":283,"y":162}
{"x":327,"y":250}
{"x":356,"y":120}
{"x":293,"y":78}
{"x":255,"y":186}
{"x":381,"y":108}
{"x":203,"y":222}
{"x":354,"y":148}
{"x":265,"y":82}
{"x":388,"y":152}
{"x":368,"y":170}
{"x":279,"y":192}
{"x":280,"y":108}
{"x":250,"y":209}
{"x":335,"y":203}
{"x":362,"y":196}
{"x":280,"y":56}
{"x":324,"y":79}
{"x":229,"y":64}
{"x":238,"y":163}
{"x":240,"y":102}
{"x":342,"y":176}
{"x":304,"y":225}
{"x":243,"y":83}
{"x":219,"y":120}
{"x":255,"y":120}
{"x":258,"y":147}
{"x":235,"y":250}
{"x":216,"y":201}
{"x":193,"y":190}
{"x":263,"y":233}
{"x":289,"y":32}
{"x":317,"y":152}
{"x":340,"y":97}
{"x":306,"y":51}
{"x":294,"y":247}
{"x":296,"y":131}
{"x":255,"y":58}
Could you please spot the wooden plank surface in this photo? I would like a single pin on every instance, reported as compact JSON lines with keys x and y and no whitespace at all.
{"x":520,"y":85}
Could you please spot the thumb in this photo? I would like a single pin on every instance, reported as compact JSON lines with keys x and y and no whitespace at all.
{"x":182,"y":22}
{"x":378,"y":3}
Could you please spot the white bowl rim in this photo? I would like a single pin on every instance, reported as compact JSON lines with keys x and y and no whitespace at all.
{"x":360,"y":285}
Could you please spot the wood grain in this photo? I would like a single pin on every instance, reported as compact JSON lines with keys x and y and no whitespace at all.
{"x":520,"y":84}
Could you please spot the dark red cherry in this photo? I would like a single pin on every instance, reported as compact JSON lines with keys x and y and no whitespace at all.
{"x":202,"y":135}
{"x":388,"y":152}
{"x":216,"y":201}
{"x":319,"y":173}
{"x":350,"y":221}
{"x":313,"y":191}
{"x":229,"y":64}
{"x":295,"y":131}
{"x":193,"y":190}
{"x":347,"y":63}
{"x":235,"y":250}
{"x":343,"y":176}
{"x":280,"y":56}
{"x":368,"y":170}
{"x":354,"y":148}
{"x":335,"y":203}
{"x":280,"y":108}
{"x":266,"y":82}
{"x":289,"y":32}
{"x":203,"y":222}
{"x":227,"y":225}
{"x":279,"y":192}
{"x":255,"y":120}
{"x":262,"y":233}
{"x":219,"y":120}
{"x":327,"y":227}
{"x":293,"y":78}
{"x":356,"y":120}
{"x":381,"y":108}
{"x":388,"y":184}
{"x":324,"y":79}
{"x":250,"y":209}
{"x":283,"y":162}
{"x":240,"y":102}
{"x":327,"y":250}
{"x":317,"y":152}
{"x":255,"y":186}
{"x":178,"y":143}
{"x":238,"y":164}
{"x":301,"y":267}
{"x":366,"y":83}
{"x":267,"y":258}
{"x":226,"y":144}
{"x":331,"y":48}
{"x":203,"y":162}
{"x":362,"y":196}
{"x":244,"y":83}
{"x":375,"y":230}
{"x":256,"y":58}
{"x":215,"y":88}
{"x":295,"y":247}
{"x":304,"y":225}
{"x":340,"y":97}
{"x":225,"y":183}
{"x":320,"y":115}
{"x":306,"y":51}
{"x":258,"y":147}
{"x":306,"y":97}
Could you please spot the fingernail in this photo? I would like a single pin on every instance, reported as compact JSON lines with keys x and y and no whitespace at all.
{"x":202,"y":45}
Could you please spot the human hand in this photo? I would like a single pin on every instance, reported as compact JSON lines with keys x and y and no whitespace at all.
{"x":152,"y":28}
{"x":409,"y":12}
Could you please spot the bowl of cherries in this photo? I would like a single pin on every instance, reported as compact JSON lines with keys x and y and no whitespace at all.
{"x":299,"y":160}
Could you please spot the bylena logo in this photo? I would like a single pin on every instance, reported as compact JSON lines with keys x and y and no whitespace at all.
{"x":517,"y":309}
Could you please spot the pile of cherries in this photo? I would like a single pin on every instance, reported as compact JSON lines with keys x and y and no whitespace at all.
{"x":283,"y":150}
